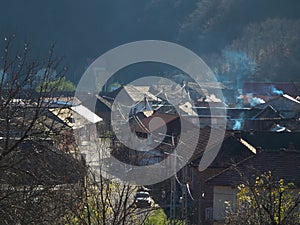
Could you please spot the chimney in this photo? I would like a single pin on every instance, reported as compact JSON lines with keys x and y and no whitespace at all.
{"x":282,"y":151}
{"x":291,"y":146}
{"x":258,"y":150}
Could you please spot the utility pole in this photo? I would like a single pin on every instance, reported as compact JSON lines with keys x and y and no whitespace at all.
{"x":173,"y":187}
{"x":173,"y":165}
{"x":173,"y":201}
{"x":184,"y":196}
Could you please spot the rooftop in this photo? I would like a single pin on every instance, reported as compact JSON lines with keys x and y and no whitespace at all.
{"x":284,"y":164}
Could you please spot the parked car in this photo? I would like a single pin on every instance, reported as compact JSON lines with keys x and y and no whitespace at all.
{"x":143,"y":199}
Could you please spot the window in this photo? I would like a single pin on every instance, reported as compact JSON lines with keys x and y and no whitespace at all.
{"x":208,"y":213}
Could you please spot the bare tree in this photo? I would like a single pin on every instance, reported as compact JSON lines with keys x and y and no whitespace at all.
{"x":106,"y":200}
{"x":265,"y":201}
{"x":37,"y":180}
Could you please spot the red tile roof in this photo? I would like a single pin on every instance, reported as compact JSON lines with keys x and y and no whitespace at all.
{"x":231,"y":148}
{"x":149,"y":124}
{"x":283,"y":164}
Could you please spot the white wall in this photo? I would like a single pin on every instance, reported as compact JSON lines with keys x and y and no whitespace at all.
{"x":221,"y":195}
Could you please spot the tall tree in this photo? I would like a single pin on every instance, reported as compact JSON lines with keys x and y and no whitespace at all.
{"x":265,"y":201}
{"x":274,"y":45}
{"x":33,"y":170}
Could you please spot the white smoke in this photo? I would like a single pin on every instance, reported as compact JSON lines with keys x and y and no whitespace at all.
{"x":256,"y":101}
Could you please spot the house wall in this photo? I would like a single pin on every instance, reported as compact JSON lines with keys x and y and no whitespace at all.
{"x":202,"y":209}
{"x":221,"y":195}
{"x":202,"y":205}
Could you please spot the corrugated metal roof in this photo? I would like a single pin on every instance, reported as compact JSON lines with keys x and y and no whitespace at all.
{"x":86,"y":113}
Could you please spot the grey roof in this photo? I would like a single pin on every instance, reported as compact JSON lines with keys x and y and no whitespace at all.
{"x":137,"y":93}
{"x":286,"y":105}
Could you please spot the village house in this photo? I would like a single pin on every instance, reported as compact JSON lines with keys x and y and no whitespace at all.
{"x":283,"y":164}
{"x":248,"y":130}
{"x":233,"y":149}
{"x":268,"y":90}
{"x":39,"y":162}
